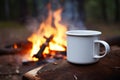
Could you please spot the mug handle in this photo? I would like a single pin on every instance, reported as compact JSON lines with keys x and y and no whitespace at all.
{"x":107,"y":48}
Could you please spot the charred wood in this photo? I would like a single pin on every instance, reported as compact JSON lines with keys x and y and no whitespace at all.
{"x":21,"y":44}
{"x":39,"y":55}
{"x":5,"y":51}
{"x":16,"y":48}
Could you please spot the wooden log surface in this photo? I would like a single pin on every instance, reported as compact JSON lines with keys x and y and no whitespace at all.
{"x":107,"y":68}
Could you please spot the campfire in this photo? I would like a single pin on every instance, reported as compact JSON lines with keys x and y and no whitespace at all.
{"x":48,"y":40}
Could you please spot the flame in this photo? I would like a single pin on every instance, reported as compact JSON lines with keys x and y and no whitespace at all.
{"x":50,"y":26}
{"x":15,"y":46}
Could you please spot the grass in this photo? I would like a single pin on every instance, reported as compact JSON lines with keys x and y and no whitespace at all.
{"x":9,"y":24}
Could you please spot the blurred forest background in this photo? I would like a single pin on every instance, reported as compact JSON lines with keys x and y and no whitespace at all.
{"x":100,"y":10}
{"x":103,"y":15}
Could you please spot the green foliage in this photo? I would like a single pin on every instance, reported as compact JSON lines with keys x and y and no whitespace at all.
{"x":110,"y":9}
{"x":94,"y":9}
{"x":14,"y":9}
{"x":8,"y":24}
{"x":2,"y":10}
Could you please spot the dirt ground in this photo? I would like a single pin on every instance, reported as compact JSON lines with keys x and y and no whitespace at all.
{"x":11,"y":68}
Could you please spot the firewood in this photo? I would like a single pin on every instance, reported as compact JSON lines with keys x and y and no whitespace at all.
{"x":20,"y":44}
{"x":44,"y":45}
{"x":21,"y":47}
{"x":4,"y":51}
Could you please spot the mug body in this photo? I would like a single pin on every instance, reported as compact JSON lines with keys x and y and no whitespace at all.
{"x":81,"y":46}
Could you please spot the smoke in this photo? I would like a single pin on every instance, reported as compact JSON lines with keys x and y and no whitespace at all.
{"x":70,"y":15}
{"x":32,"y":24}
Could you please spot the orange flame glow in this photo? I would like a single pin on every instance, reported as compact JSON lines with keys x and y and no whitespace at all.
{"x":15,"y":46}
{"x":47,"y":29}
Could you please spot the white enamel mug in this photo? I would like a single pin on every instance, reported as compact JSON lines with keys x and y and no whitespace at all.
{"x":83,"y":46}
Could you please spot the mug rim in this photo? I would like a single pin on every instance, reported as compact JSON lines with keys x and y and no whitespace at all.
{"x":83,"y":33}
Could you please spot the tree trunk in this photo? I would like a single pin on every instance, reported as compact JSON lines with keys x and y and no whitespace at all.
{"x":117,"y":11}
{"x":35,"y":8}
{"x":23,"y":10}
{"x":103,"y":7}
{"x":7,"y":10}
{"x":81,"y":9}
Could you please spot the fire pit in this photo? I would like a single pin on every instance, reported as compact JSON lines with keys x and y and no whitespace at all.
{"x":47,"y":44}
{"x":49,"y":37}
{"x":47,"y":41}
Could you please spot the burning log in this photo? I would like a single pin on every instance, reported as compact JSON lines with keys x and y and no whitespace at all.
{"x":39,"y":54}
{"x":20,"y":45}
{"x":5,"y":51}
{"x":16,"y":48}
